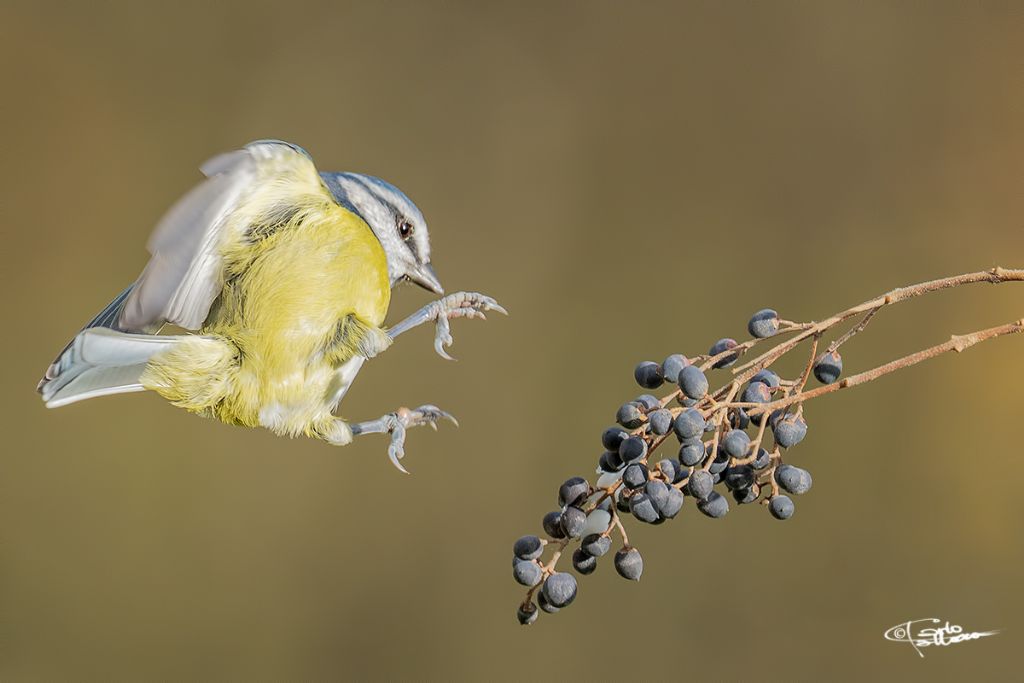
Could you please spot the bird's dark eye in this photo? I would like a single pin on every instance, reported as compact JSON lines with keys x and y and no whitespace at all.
{"x":405,"y":228}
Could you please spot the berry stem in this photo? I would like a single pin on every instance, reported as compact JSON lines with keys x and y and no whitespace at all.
{"x":853,"y":331}
{"x":755,"y":447}
{"x":810,"y":365}
{"x":622,"y":530}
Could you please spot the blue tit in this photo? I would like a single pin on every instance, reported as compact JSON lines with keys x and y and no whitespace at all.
{"x":282,"y":277}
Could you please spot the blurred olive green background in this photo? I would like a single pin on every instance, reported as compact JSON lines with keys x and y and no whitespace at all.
{"x":629,"y":182}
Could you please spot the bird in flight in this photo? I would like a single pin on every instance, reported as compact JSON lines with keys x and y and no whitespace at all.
{"x":279,"y":279}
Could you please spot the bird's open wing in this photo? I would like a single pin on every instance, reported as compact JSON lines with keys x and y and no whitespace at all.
{"x":185,"y":274}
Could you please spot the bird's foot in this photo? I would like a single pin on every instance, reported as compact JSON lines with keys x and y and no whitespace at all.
{"x":397,"y":422}
{"x":458,"y":305}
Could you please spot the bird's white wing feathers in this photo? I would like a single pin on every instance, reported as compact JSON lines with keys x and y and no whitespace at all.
{"x":185,"y":274}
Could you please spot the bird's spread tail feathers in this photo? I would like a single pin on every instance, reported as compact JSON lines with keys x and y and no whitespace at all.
{"x":100,"y":361}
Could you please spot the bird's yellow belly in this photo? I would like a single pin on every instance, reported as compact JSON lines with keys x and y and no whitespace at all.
{"x":299,"y":310}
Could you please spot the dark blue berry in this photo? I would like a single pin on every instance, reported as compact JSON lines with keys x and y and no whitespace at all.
{"x":635,"y":476}
{"x":789,"y":431}
{"x":657,"y":491}
{"x":738,"y":418}
{"x":762,"y":460}
{"x":693,"y":382}
{"x":700,"y":484}
{"x":543,"y":603}
{"x":632,"y":449}
{"x":573,"y":491}
{"x":781,"y":507}
{"x":672,"y":504}
{"x":560,"y":589}
{"x":629,"y":564}
{"x":691,"y":452}
{"x":527,"y":614}
{"x":721,"y":346}
{"x":648,"y":375}
{"x":647,"y":403}
{"x":739,"y":477}
{"x":768,"y":377}
{"x":720,"y":462}
{"x":828,"y":367}
{"x":736,"y":443}
{"x":610,"y":461}
{"x":573,"y":521}
{"x":643,"y":508}
{"x":756,"y":392}
{"x":553,"y":524}
{"x":689,"y":424}
{"x":763,"y":324}
{"x":793,"y":479}
{"x":668,"y":469}
{"x":718,"y":466}
{"x":527,"y":572}
{"x":672,"y":366}
{"x":715,"y":505}
{"x":629,"y":415}
{"x":596,"y":544}
{"x":660,"y":421}
{"x":746,"y":496}
{"x":612,"y":437}
{"x":528,"y":548}
{"x":583,"y":562}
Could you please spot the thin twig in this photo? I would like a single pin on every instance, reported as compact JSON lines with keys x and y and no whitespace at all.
{"x":853,"y":331}
{"x":806,"y":374}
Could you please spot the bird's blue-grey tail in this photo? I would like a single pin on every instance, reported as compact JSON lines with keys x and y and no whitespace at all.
{"x":101,"y":359}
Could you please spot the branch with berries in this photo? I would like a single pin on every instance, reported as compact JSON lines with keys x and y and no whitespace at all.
{"x":722,"y":434}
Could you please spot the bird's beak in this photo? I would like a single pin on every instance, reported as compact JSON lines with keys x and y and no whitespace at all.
{"x":426,"y":278}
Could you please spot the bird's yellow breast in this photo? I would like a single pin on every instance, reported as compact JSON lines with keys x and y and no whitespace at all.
{"x":297,"y":304}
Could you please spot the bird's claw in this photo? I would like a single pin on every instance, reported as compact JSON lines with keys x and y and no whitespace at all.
{"x":460,"y":305}
{"x":443,"y":336}
{"x":403,"y":418}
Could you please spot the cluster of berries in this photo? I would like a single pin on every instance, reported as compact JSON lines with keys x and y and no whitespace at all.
{"x":722,"y":453}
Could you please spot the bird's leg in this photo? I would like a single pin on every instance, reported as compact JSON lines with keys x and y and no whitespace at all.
{"x":396,"y":423}
{"x":458,"y":305}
